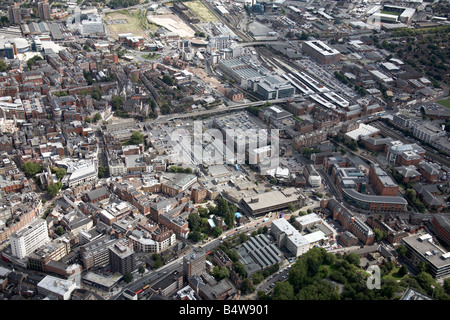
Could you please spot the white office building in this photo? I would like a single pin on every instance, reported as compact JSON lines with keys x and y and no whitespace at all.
{"x":28,"y":239}
{"x":81,"y":171}
{"x":60,"y":288}
{"x":287,"y":236}
{"x":144,"y":243}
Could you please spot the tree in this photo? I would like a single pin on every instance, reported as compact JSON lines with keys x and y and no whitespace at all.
{"x":223,"y":273}
{"x":403,"y":271}
{"x":379,"y":235}
{"x":291,"y":207}
{"x":353,"y":258}
{"x":217,"y":232}
{"x":195,"y":221}
{"x":60,"y":172}
{"x":96,"y":93}
{"x":137,"y":138}
{"x":116,"y":102}
{"x":97,"y":117}
{"x":239,"y":267}
{"x":246,"y":286}
{"x":401,"y":251}
{"x":158,"y":261}
{"x":283,"y":291}
{"x":59,"y":230}
{"x":257,"y":278}
{"x":53,"y":189}
{"x":142,"y":269}
{"x":318,"y":290}
{"x":229,"y":219}
{"x":127,"y":277}
{"x":167,"y":80}
{"x":3,"y":66}
{"x":103,"y":172}
{"x":31,"y":168}
{"x":203,"y":212}
{"x":195,"y":236}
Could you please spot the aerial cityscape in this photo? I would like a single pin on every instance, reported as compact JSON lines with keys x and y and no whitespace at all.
{"x":232,"y":150}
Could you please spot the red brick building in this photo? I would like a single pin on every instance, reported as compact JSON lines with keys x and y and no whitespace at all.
{"x":383,"y":183}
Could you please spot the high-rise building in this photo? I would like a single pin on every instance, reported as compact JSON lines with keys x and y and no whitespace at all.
{"x":14,"y":13}
{"x":28,"y":239}
{"x":44,"y":10}
{"x":194,"y":263}
{"x":121,"y":258}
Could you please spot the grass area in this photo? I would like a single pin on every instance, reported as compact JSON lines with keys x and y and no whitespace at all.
{"x":137,"y":22}
{"x":445,"y":103}
{"x":390,"y":12}
{"x":394,"y":275}
{"x":150,"y":56}
{"x":202,"y":12}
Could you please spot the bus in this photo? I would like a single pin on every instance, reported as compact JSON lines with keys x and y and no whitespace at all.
{"x":146,"y":287}
{"x":139,"y":291}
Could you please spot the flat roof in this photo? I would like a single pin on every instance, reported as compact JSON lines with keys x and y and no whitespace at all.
{"x":272,"y":198}
{"x":308,"y":219}
{"x":322,"y":47}
{"x":431,"y":252}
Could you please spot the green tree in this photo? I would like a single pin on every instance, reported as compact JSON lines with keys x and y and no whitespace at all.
{"x":53,"y":189}
{"x":3,"y":66}
{"x":217,"y":232}
{"x":229,"y":219}
{"x":60,"y":172}
{"x":116,"y":102}
{"x":318,"y":290}
{"x":257,"y":277}
{"x":103,"y":172}
{"x":59,"y":230}
{"x":233,"y":255}
{"x":223,"y":273}
{"x":401,"y":251}
{"x":195,"y":236}
{"x":379,"y":235}
{"x":141,"y":269}
{"x":403,"y":271}
{"x":97,"y":117}
{"x":96,"y":93}
{"x":137,"y":138}
{"x":195,"y":221}
{"x":239,"y":267}
{"x":167,"y":80}
{"x":291,"y":207}
{"x":127,"y":277}
{"x":31,"y":168}
{"x":203,"y":212}
{"x":353,"y":258}
{"x":246,"y":286}
{"x":283,"y":291}
{"x":158,"y":261}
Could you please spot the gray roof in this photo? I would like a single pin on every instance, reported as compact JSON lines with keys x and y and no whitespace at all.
{"x":97,"y":193}
{"x":377,"y":199}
